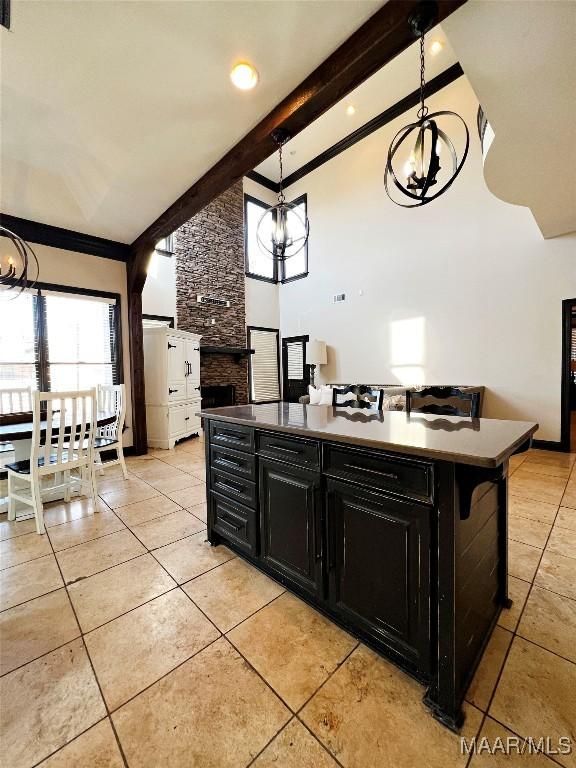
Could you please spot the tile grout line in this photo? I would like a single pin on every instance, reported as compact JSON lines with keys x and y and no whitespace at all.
{"x":91,"y":665}
{"x":485,"y":714}
{"x":223,"y":635}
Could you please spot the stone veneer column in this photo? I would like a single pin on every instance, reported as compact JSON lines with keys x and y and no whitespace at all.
{"x":210,"y":260}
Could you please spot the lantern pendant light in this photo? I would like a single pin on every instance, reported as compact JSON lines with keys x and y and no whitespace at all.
{"x":420,"y":179}
{"x":17,"y":265}
{"x":283,"y":230}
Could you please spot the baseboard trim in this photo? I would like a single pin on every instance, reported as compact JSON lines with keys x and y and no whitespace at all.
{"x":548,"y":445}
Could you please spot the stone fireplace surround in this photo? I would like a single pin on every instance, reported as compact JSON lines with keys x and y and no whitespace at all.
{"x":210,"y":261}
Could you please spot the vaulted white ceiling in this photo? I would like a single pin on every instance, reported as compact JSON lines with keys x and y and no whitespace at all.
{"x":393,"y":82}
{"x":111,"y":110}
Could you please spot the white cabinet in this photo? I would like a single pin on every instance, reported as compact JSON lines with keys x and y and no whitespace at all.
{"x":172,"y":377}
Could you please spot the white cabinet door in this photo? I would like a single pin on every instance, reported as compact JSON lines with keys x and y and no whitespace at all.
{"x":193,"y":369}
{"x":176,"y":368}
{"x":193,"y":422}
{"x":177,"y":423}
{"x":192,"y":388}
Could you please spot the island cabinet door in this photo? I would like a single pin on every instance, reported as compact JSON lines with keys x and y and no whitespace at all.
{"x":290,"y":524}
{"x":378,"y":569}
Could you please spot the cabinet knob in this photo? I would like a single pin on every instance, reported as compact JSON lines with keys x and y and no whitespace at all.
{"x":171,"y":391}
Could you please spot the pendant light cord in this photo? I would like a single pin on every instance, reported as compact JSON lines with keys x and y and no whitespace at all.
{"x":281,"y":196}
{"x":423,"y":111}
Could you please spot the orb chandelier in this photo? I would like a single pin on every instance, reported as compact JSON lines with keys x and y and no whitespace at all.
{"x":19,"y":266}
{"x":423,"y":176}
{"x":282,"y":231}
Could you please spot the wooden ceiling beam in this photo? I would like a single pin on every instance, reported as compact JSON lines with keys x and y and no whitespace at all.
{"x":386,"y":34}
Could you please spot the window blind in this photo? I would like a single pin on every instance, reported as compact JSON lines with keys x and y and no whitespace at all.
{"x":264,"y":373}
{"x":295,"y":356}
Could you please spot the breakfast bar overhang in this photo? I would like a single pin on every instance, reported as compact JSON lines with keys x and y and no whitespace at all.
{"x":392,"y":524}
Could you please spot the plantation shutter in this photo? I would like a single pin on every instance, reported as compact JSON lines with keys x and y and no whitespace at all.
{"x":264,"y":372}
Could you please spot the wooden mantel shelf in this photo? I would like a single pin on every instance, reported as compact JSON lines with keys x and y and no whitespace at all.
{"x":236,"y":352}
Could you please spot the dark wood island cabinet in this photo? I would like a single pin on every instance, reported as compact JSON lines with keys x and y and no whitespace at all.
{"x":393,"y":525}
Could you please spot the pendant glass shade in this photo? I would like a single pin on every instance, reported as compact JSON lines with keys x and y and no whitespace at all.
{"x":18,"y":264}
{"x":282,"y":231}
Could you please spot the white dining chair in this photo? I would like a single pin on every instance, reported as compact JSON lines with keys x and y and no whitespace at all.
{"x":62,"y":447}
{"x":112,"y":400}
{"x":12,"y":400}
{"x":15,"y":400}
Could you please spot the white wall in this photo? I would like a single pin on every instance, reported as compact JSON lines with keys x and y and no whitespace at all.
{"x":91,"y":272}
{"x":159,"y":294}
{"x":462,"y":291}
{"x":262,"y":299}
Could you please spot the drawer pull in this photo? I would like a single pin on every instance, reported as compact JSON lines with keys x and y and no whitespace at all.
{"x":287,"y":450}
{"x":171,"y":391}
{"x":229,"y":462}
{"x":231,"y":486}
{"x":187,"y":418}
{"x":378,"y":472}
{"x":230,"y":521}
{"x":231,"y":433}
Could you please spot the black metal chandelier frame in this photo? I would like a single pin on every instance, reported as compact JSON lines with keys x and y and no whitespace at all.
{"x":280,"y":211}
{"x":417,"y":187}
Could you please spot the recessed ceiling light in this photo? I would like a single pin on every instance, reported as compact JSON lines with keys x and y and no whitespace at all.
{"x":244,"y":76}
{"x":350,"y":110}
{"x":436,"y":47}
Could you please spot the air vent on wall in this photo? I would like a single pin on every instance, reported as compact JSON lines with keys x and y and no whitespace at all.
{"x":213,"y":300}
{"x":338,"y":297}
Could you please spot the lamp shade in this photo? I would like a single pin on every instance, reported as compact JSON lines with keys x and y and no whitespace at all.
{"x":316,"y":352}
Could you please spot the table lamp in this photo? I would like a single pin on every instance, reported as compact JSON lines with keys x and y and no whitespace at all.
{"x":315,"y":355}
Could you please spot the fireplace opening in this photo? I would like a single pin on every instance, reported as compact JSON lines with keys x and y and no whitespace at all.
{"x":218,"y":396}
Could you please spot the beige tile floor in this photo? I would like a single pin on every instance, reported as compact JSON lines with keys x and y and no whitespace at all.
{"x":125,"y":639}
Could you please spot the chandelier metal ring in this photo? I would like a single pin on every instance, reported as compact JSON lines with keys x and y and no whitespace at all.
{"x":14,"y":276}
{"x":422,"y":167}
{"x":282,"y":231}
{"x":402,"y":136}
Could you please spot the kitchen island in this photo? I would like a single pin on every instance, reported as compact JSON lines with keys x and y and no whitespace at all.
{"x":393,"y":525}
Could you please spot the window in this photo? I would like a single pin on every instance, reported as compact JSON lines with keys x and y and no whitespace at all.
{"x":297,"y":265}
{"x":264,"y":371}
{"x":167,"y":246}
{"x":18,"y":353}
{"x":51,"y":339}
{"x":258,"y":264}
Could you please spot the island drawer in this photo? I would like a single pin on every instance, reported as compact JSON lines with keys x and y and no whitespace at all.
{"x":305,"y":453}
{"x":234,"y":487}
{"x":239,"y":464}
{"x":372,"y":469}
{"x":233,"y":436}
{"x":234,"y":521}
